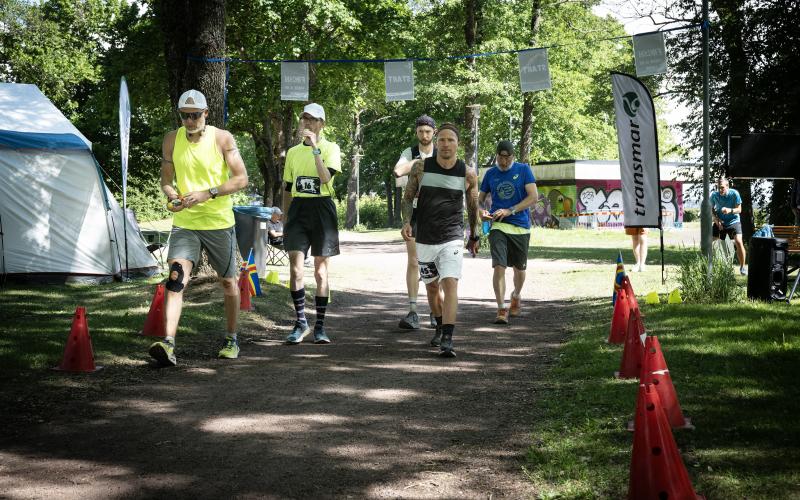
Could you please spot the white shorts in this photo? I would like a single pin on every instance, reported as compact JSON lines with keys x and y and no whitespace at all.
{"x":440,"y":261}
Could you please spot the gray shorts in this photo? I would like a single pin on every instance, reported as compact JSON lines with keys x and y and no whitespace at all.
{"x":509,"y":250}
{"x":220,"y":245}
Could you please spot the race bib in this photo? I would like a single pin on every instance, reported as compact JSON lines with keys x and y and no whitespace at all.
{"x":427,"y":270}
{"x":307,"y":185}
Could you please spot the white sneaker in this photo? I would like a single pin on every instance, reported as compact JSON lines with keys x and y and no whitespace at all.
{"x":641,"y":268}
{"x":742,"y":271}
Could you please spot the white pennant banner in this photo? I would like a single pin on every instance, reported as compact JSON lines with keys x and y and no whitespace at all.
{"x":294,"y":81}
{"x":649,"y":54}
{"x":399,"y":78}
{"x":534,"y":70}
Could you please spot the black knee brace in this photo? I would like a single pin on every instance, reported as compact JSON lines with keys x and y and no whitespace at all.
{"x":175,"y":281}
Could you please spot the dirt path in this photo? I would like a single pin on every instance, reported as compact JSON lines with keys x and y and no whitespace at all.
{"x":376,"y":414}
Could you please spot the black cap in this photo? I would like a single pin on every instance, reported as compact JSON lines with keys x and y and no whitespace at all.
{"x":505,"y":147}
{"x":425,"y":120}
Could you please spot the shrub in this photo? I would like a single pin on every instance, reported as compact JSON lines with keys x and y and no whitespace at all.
{"x":147,"y":200}
{"x":691,"y":214}
{"x":698,"y":286}
{"x":373,"y":213}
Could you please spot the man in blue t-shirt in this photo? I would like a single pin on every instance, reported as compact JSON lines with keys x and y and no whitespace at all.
{"x":512,"y":187}
{"x":726,"y":205}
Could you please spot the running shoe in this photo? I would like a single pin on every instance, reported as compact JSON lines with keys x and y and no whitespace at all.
{"x":742,"y":271}
{"x":446,"y":349}
{"x":436,"y":341}
{"x":515,"y":304}
{"x":230,"y":350}
{"x":502,"y":317}
{"x":410,"y":322}
{"x":164,"y":353}
{"x":298,"y":333}
{"x":320,"y":337}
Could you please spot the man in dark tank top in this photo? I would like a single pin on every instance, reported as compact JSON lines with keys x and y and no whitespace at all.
{"x":441,"y":185}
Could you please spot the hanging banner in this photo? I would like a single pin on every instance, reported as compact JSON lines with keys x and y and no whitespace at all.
{"x":649,"y":54}
{"x":534,"y":70}
{"x":638,"y":151}
{"x":294,"y":81}
{"x":124,"y":136}
{"x":399,"y":78}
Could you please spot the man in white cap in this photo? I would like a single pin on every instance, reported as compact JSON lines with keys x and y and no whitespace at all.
{"x":200,"y":169}
{"x":310,"y":217}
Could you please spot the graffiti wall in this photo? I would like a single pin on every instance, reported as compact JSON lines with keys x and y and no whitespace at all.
{"x":556,"y":207}
{"x":599,"y":203}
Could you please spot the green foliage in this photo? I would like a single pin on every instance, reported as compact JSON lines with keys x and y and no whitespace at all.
{"x":147,"y":201}
{"x":718,"y":286}
{"x":372,"y":213}
{"x":691,"y":214}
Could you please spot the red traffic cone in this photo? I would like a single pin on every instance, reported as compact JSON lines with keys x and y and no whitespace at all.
{"x":619,"y":321}
{"x":245,"y":304}
{"x":657,"y":470}
{"x":154,"y":324}
{"x":626,"y":285}
{"x":78,"y":354}
{"x":636,"y":314}
{"x":631,"y":363}
{"x":655,"y":371}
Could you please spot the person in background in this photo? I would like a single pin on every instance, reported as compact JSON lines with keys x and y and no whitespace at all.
{"x":726,"y":205}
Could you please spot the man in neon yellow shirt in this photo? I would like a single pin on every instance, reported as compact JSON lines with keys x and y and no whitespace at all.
{"x":200,"y":168}
{"x":310,"y":217}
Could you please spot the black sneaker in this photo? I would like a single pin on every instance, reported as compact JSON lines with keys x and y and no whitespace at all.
{"x":436,"y":341}
{"x":446,"y":347}
{"x":410,"y":322}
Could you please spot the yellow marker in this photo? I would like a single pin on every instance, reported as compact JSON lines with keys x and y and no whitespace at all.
{"x":675,"y":297}
{"x":652,"y":298}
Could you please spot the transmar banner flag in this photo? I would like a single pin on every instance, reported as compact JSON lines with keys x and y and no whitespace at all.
{"x":294,"y":81}
{"x":638,"y":151}
{"x":399,"y":78}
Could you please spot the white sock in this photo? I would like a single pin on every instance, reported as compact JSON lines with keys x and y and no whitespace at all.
{"x":412,"y":305}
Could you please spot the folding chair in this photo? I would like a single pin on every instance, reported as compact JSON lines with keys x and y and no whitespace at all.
{"x":276,"y":255}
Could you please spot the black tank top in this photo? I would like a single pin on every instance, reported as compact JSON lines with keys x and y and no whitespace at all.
{"x":440,"y":207}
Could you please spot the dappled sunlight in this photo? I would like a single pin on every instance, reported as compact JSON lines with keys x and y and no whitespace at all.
{"x":350,"y":369}
{"x":267,"y":423}
{"x":139,"y":406}
{"x":201,"y":371}
{"x":378,"y":395}
{"x":413,"y":368}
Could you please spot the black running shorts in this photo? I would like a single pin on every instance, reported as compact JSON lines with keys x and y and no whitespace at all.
{"x":509,"y":250}
{"x":312,"y":224}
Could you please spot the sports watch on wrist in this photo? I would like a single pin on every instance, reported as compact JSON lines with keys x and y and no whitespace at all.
{"x":214,"y":192}
{"x":316,"y":151}
{"x":513,"y":210}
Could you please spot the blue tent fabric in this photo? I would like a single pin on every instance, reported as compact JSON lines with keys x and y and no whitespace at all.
{"x":30,"y":140}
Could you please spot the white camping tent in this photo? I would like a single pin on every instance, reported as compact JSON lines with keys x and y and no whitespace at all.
{"x":57,"y":217}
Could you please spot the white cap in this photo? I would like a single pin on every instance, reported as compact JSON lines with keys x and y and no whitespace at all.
{"x":192,"y":99}
{"x":315,"y":110}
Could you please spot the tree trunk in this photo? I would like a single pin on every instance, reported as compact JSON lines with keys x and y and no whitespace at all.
{"x":526,"y":134}
{"x":731,"y":28}
{"x":195,"y":29}
{"x":351,"y":215}
{"x":472,"y":35}
{"x":388,"y":183}
{"x":398,"y":205}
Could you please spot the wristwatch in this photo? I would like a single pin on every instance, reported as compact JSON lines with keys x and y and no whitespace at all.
{"x":316,"y":151}
{"x":513,"y":210}
{"x":214,"y":192}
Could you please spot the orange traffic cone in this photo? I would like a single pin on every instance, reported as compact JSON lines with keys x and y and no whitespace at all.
{"x":631,"y":364}
{"x":657,"y":470}
{"x":619,"y":321}
{"x":78,"y":354}
{"x":655,"y":371}
{"x":245,"y":304}
{"x":154,"y":324}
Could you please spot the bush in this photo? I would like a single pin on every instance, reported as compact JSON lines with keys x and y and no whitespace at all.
{"x":373,"y":213}
{"x":691,"y":214}
{"x":147,"y":200}
{"x":697,"y":286}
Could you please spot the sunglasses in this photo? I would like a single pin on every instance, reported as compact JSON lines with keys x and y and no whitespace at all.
{"x":195,"y":115}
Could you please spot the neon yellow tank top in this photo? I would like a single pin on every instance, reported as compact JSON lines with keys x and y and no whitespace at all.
{"x":198,"y":167}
